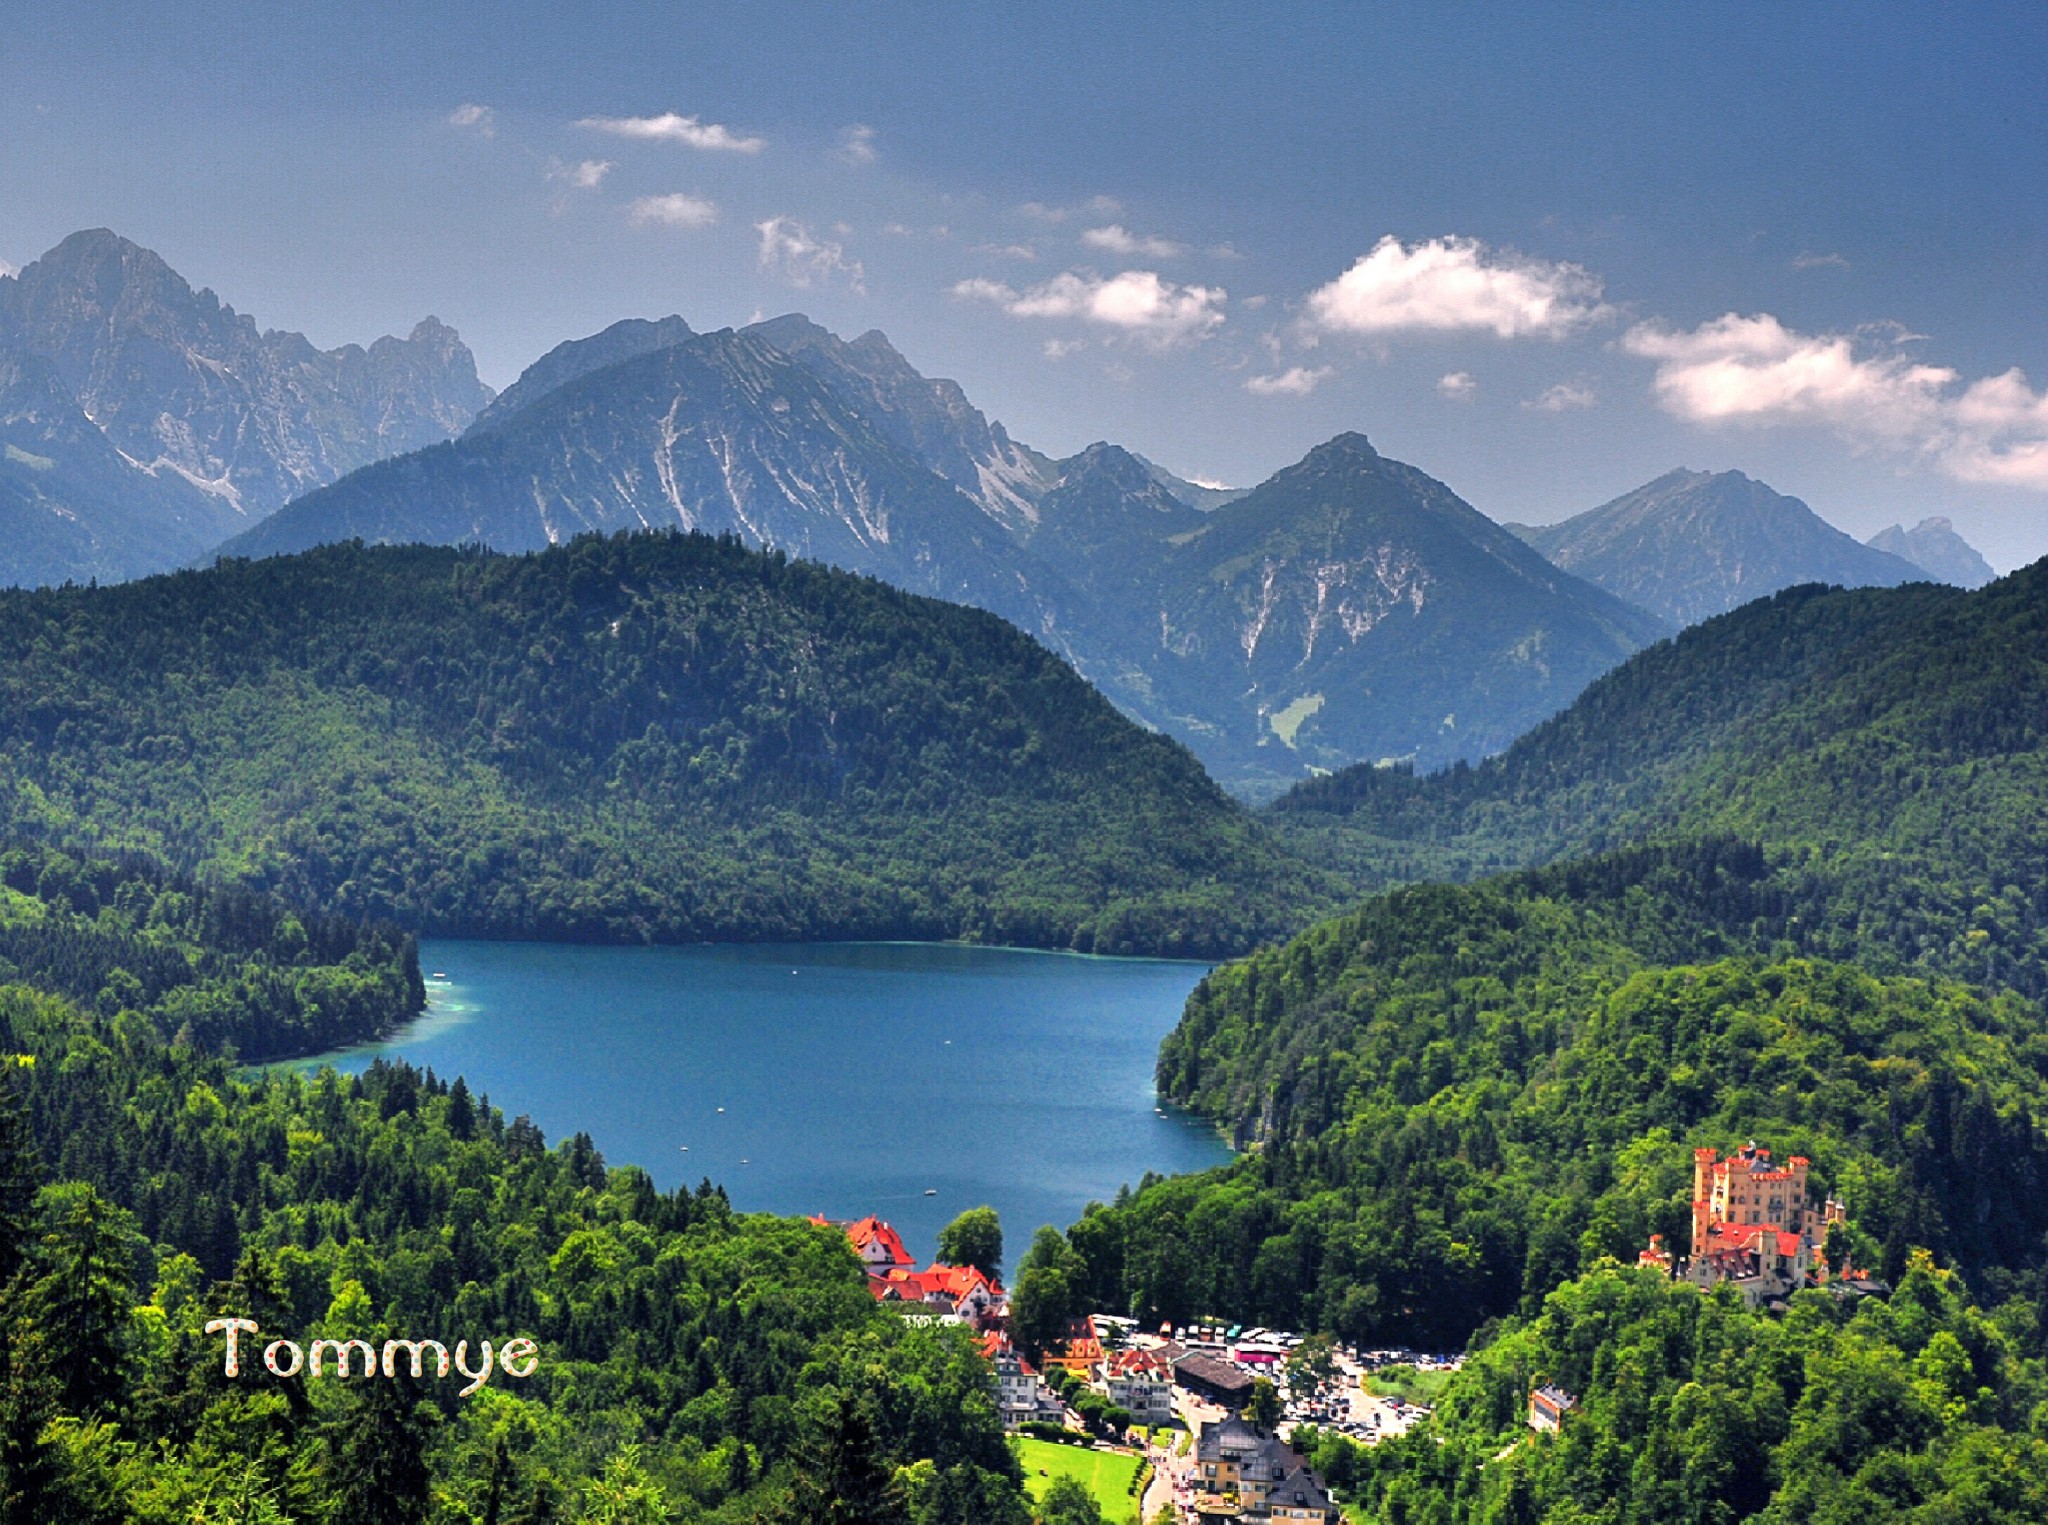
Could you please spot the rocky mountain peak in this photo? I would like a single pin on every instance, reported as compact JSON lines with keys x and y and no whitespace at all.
{"x":1693,"y":544}
{"x":1934,"y":546}
{"x":193,"y":394}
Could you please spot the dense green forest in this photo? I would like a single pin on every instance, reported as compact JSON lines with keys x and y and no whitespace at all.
{"x":1465,"y":1095}
{"x":1923,"y":1409}
{"x":656,"y":737}
{"x":223,"y":970}
{"x":1885,"y":745}
{"x":694,"y":1363}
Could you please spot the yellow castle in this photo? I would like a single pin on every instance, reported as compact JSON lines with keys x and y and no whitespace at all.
{"x":1753,"y":1224}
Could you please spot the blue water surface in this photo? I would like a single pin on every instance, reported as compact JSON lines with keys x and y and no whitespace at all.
{"x":853,"y":1077}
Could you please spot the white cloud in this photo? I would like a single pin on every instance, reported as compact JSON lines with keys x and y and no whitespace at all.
{"x":1295,"y":381}
{"x":671,"y":128}
{"x":1453,"y":284}
{"x":8,"y":271}
{"x":674,"y":210}
{"x":479,"y":119}
{"x":1458,"y":386}
{"x":1095,"y":206}
{"x":1564,"y":398}
{"x":1819,"y":261}
{"x":1116,"y":239}
{"x":790,"y":250}
{"x":857,"y":144}
{"x":1059,"y":349}
{"x":586,"y":175}
{"x":1137,"y":302}
{"x":1006,"y":251}
{"x":1755,"y":370}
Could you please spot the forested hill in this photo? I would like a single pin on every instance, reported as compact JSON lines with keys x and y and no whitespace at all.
{"x":1466,"y":1094}
{"x":221,"y":971}
{"x":1888,"y":740}
{"x":656,"y":737}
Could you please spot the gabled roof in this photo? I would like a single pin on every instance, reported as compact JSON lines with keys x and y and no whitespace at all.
{"x":1215,"y":1373}
{"x":1300,"y":1490}
{"x":957,"y":1281}
{"x":1140,"y":1363}
{"x":1732,"y":1238}
{"x":864,"y":1232}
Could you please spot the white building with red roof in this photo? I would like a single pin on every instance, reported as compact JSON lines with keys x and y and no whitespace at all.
{"x":1141,"y":1381}
{"x":879,"y":1246}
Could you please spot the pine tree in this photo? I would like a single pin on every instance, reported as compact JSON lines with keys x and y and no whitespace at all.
{"x":20,"y":1174}
{"x":378,"y":1447}
{"x":28,"y":1402}
{"x":82,"y":1300}
{"x":841,"y":1478}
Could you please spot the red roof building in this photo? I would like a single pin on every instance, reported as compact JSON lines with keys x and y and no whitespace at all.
{"x":878,"y":1245}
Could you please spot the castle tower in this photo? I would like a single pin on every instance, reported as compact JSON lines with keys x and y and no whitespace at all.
{"x":1703,"y":1173}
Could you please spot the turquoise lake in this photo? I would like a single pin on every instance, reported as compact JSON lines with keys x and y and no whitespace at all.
{"x":854,"y":1078}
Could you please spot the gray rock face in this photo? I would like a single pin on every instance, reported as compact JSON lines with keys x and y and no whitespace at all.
{"x":720,"y":433}
{"x":1935,"y":548}
{"x":183,"y":385}
{"x":627,"y":339}
{"x":1350,"y":607}
{"x":930,"y":418}
{"x":72,"y":507}
{"x":1691,"y":545}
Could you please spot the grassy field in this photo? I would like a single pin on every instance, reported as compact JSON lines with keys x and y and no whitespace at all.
{"x":1104,"y":1474}
{"x":1407,"y":1384}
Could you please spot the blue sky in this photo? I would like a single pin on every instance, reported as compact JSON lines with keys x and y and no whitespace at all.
{"x":1545,"y":253}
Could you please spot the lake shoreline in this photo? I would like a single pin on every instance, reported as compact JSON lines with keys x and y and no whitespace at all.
{"x":908,"y":1079}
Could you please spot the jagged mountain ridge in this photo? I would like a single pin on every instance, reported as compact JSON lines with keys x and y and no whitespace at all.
{"x":1935,"y":548}
{"x":1694,"y":544}
{"x":575,"y":358}
{"x":928,"y":416}
{"x":1361,"y":609}
{"x":789,"y":437}
{"x":184,"y":385}
{"x":719,"y":433}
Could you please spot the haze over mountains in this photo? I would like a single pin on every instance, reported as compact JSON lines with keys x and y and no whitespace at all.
{"x":1350,"y":608}
{"x":1693,"y":544}
{"x":143,"y":422}
{"x":1934,"y":546}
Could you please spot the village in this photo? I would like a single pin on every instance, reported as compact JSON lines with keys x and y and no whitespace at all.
{"x":1208,"y":1413}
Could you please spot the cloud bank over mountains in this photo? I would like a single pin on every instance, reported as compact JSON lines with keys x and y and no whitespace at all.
{"x":1755,"y":370}
{"x":1864,"y":387}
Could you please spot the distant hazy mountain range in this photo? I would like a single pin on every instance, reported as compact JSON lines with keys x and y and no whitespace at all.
{"x":142,"y":422}
{"x":1935,"y":548}
{"x":1692,"y":544}
{"x":1350,"y":607}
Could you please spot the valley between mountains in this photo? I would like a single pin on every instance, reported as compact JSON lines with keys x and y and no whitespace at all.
{"x":1530,"y":862}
